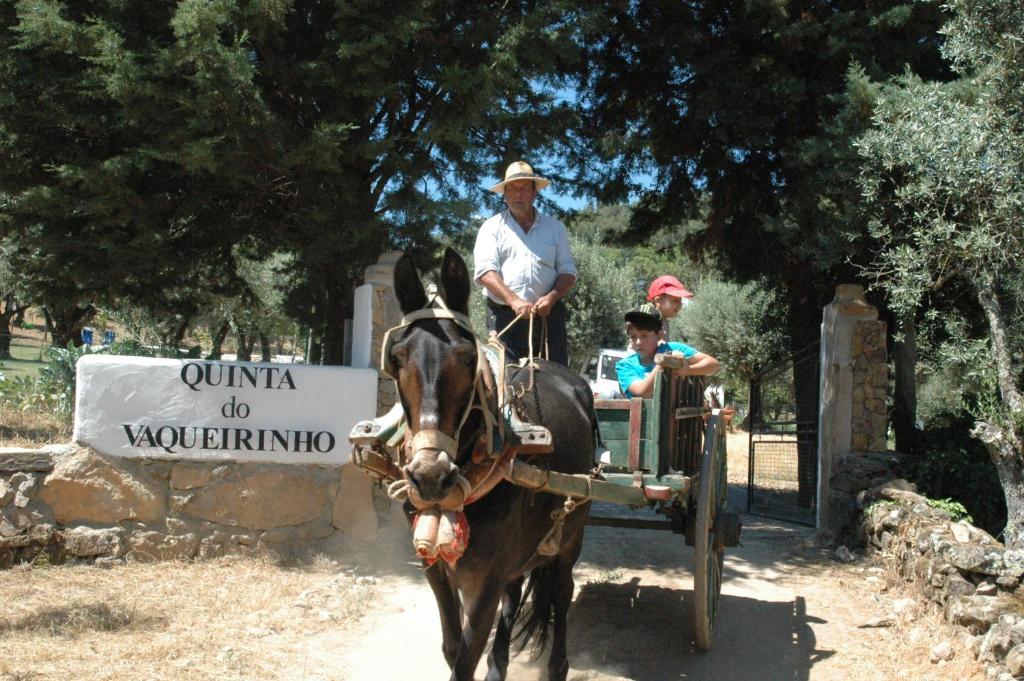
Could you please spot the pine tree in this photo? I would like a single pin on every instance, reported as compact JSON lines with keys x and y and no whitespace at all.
{"x":143,"y":143}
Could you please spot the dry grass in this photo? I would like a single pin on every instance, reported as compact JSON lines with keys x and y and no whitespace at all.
{"x":737,"y":445}
{"x":30,"y":429}
{"x":896,"y":643}
{"x":231,"y":618}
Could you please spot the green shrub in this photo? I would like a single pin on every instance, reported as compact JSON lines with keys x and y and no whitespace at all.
{"x":957,"y":467}
{"x":955,"y":509}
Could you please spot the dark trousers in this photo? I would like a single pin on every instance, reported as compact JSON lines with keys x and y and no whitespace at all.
{"x":517,"y":337}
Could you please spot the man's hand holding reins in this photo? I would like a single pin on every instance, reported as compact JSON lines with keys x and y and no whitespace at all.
{"x":522,"y":308}
{"x":545,"y":303}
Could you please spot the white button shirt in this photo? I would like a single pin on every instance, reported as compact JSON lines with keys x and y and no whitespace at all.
{"x":528,"y":262}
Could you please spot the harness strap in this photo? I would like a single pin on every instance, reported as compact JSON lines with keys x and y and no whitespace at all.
{"x":434,"y":439}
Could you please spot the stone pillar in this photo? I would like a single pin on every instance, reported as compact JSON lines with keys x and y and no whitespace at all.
{"x":376,"y":311}
{"x":852,"y":414}
{"x":364,"y":509}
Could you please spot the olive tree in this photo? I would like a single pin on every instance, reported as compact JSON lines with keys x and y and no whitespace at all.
{"x":942,"y":170}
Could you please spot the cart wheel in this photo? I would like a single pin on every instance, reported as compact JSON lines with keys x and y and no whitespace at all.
{"x":709,"y":548}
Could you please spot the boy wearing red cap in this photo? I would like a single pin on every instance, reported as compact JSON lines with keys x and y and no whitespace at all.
{"x":666,"y":294}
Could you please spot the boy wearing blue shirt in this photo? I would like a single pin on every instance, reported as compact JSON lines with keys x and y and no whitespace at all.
{"x":637,"y":373}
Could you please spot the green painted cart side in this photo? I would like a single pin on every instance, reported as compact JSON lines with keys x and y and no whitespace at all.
{"x":672,"y":440}
{"x":662,"y":435}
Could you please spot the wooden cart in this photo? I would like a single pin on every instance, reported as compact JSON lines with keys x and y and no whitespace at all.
{"x":667,"y":453}
{"x":673,"y":448}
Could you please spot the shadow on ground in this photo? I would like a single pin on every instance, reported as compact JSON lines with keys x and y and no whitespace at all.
{"x":646,"y":634}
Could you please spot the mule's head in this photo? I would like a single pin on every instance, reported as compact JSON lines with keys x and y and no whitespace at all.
{"x":433,"y":362}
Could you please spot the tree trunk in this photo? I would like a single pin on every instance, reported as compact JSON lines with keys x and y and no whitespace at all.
{"x":904,"y":413}
{"x":1008,"y":390}
{"x":1004,"y":446}
{"x":218,"y":340}
{"x":65,"y":324}
{"x":6,"y":316}
{"x":5,"y":341}
{"x":177,"y":335}
{"x":245,"y":344}
{"x":1004,"y":442}
{"x":334,"y":327}
{"x":265,"y":355}
{"x":314,"y":353}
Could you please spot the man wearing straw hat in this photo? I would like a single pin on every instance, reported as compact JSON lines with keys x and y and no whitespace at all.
{"x":522,"y":260}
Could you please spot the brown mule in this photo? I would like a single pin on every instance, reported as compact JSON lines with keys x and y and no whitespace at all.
{"x":433,"y":362}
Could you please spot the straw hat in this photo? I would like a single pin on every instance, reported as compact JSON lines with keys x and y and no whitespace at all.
{"x":518,"y":170}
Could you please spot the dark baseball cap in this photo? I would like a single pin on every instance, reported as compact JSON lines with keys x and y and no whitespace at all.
{"x":646,"y":316}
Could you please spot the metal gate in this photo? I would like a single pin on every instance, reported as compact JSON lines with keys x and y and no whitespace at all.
{"x":782,"y":473}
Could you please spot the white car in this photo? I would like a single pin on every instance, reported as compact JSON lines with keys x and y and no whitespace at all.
{"x":600,"y":373}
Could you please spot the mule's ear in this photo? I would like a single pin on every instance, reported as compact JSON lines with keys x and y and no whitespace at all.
{"x":408,"y":287}
{"x":455,"y":282}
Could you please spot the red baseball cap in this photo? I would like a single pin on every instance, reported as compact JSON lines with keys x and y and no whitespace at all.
{"x":667,"y":284}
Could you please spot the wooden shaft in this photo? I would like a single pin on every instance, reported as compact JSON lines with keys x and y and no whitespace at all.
{"x":577,"y":486}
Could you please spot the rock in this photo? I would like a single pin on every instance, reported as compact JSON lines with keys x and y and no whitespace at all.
{"x":24,"y":519}
{"x":42,"y":533}
{"x":971,"y":644}
{"x":978,"y":613}
{"x":895,"y":493}
{"x":943,"y":652}
{"x":995,"y":672}
{"x":844,"y":554}
{"x":6,"y":493}
{"x":209,"y":550}
{"x":1017,"y":633}
{"x":986,"y":560}
{"x":86,"y":487}
{"x":1015,"y":661}
{"x":106,"y":563}
{"x":16,"y":542}
{"x":179,"y":526}
{"x":150,"y":545}
{"x":190,"y":475}
{"x":878,"y":623}
{"x":902,"y":605}
{"x":986,"y":589}
{"x":961,"y":531}
{"x":260,"y":497}
{"x":955,"y":585}
{"x":244,"y":539}
{"x":18,"y":479}
{"x":1008,"y":582}
{"x":87,"y":542}
{"x":274,"y":537}
{"x":7,"y":528}
{"x":996,"y":643}
{"x":353,"y":511}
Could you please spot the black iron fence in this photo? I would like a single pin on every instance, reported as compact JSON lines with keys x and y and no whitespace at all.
{"x":783,"y":453}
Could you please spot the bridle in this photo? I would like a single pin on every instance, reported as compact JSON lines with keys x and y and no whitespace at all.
{"x":482,"y":396}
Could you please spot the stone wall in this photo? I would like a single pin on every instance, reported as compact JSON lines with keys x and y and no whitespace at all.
{"x":964,"y":571}
{"x":72,"y":503}
{"x":870,"y":383}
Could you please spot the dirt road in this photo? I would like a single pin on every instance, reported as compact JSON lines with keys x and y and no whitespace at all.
{"x":789,"y":610}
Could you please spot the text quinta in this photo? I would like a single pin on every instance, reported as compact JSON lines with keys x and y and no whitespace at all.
{"x":214,"y":374}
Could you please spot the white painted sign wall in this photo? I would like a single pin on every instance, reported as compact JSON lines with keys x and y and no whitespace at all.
{"x":208,"y":410}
